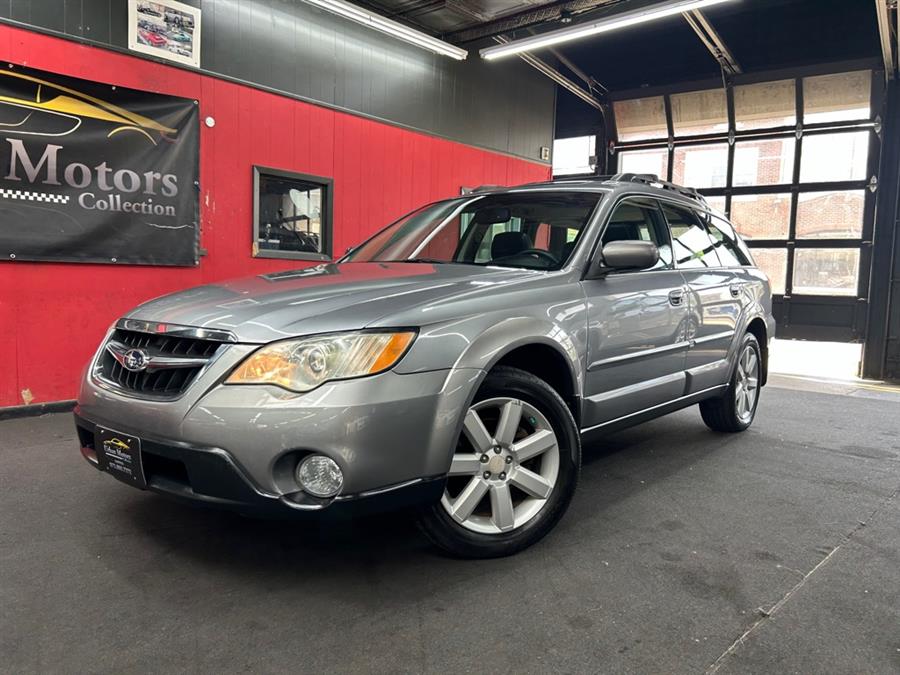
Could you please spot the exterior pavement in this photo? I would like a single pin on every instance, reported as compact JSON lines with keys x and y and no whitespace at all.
{"x":685,"y":551}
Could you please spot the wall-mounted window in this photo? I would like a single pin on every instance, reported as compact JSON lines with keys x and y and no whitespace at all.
{"x":292,"y":215}
{"x":573,"y":155}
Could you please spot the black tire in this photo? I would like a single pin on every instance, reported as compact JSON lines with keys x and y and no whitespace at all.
{"x":721,"y":413}
{"x":452,"y":537}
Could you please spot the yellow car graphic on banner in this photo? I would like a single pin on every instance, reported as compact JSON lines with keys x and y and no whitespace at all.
{"x":41,"y":108}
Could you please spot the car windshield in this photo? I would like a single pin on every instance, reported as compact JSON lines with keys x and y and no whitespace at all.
{"x":536,"y":230}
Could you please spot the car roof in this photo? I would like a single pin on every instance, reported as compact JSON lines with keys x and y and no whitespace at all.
{"x":642,"y":184}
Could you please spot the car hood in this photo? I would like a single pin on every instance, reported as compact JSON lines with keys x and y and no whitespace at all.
{"x":325,"y":298}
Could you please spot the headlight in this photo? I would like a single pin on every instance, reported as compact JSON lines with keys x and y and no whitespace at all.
{"x":301,"y":365}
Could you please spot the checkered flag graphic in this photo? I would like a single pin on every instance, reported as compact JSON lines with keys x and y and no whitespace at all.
{"x":28,"y":196}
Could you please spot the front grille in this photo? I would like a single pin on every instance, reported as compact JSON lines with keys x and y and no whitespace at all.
{"x":160,"y":382}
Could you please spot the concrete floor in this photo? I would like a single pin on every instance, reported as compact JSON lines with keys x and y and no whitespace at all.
{"x":777,"y":550}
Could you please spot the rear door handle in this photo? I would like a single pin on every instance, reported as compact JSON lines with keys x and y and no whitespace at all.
{"x":676,"y":297}
{"x":735,"y":290}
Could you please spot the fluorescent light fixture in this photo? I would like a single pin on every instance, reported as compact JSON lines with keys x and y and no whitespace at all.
{"x":392,"y":28}
{"x":604,"y":25}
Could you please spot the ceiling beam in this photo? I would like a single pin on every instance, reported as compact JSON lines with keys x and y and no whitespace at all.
{"x":556,"y":76}
{"x":885,"y":37}
{"x":713,"y":41}
{"x":550,"y":12}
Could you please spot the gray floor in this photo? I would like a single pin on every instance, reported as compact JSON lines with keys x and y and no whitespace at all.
{"x":777,"y":550}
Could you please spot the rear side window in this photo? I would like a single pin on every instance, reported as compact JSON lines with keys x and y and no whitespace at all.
{"x":691,"y":243}
{"x":726,"y":242}
{"x":639,"y":220}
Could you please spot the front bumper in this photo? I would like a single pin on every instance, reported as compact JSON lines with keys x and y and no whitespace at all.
{"x":237,"y":446}
{"x":210,"y":476}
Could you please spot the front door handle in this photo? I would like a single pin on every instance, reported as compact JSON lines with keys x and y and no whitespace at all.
{"x":676,"y":297}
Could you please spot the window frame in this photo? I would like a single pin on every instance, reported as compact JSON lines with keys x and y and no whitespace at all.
{"x":651,"y":203}
{"x":327,"y":220}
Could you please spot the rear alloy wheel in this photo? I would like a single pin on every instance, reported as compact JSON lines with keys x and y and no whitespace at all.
{"x":735,"y":410}
{"x":512,"y":474}
{"x":746,"y":389}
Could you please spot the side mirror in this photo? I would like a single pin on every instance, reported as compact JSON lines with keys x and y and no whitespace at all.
{"x":626,"y":255}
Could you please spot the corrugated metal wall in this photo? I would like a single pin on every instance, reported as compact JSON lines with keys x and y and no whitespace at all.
{"x":298,"y":49}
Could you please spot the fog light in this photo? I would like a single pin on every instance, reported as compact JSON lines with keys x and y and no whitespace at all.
{"x":320,"y":476}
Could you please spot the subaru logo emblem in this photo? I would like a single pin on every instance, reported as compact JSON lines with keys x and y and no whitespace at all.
{"x":136,"y":360}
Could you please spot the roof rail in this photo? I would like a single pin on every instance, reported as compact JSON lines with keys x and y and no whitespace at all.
{"x":654,"y":180}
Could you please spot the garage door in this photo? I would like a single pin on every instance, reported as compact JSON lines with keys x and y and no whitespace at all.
{"x":793,"y":163}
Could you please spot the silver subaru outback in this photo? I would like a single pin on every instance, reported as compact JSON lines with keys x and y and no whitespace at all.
{"x":456,"y":361}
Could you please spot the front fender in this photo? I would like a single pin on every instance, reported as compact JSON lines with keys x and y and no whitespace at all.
{"x":496,"y":339}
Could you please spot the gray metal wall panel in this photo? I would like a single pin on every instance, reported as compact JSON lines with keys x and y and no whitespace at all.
{"x":294,"y":47}
{"x":49,"y":14}
{"x":72,"y":11}
{"x":20,"y":10}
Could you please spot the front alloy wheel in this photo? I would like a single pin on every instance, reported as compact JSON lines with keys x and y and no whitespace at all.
{"x":513,"y":471}
{"x":499,"y":481}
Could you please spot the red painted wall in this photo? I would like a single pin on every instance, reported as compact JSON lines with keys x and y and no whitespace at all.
{"x":53,"y":315}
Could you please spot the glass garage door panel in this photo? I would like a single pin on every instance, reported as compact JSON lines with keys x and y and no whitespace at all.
{"x":772,"y":261}
{"x":765,"y":162}
{"x":701,"y":166}
{"x":834,"y":157}
{"x":640,"y":119}
{"x":699,"y":112}
{"x":826,"y":271}
{"x":716,"y":203}
{"x":655,"y":161}
{"x":838,"y":97}
{"x":797,"y":193}
{"x":765,"y":105}
{"x":762,"y":216}
{"x":831,"y":215}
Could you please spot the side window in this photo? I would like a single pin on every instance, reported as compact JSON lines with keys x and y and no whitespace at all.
{"x":691,"y":242}
{"x":728,"y":246}
{"x":634,"y":220}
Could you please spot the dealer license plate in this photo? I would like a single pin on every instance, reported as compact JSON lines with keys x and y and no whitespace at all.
{"x":120,"y":455}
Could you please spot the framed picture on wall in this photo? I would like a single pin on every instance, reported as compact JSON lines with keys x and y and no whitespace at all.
{"x":166,"y":29}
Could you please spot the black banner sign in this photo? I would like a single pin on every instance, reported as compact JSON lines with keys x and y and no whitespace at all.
{"x":95,"y":173}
